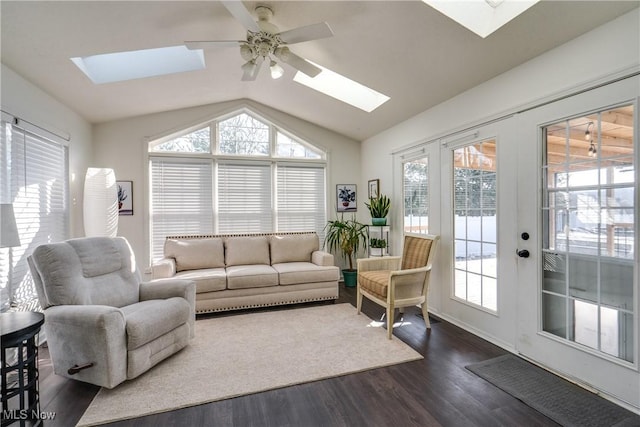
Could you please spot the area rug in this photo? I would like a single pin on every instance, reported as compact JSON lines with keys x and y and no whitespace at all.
{"x":562,"y":401}
{"x":243,"y":354}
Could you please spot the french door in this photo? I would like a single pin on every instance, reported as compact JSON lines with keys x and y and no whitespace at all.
{"x":577,"y":243}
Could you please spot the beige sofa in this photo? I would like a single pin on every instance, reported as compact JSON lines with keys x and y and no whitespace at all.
{"x":236,"y":271}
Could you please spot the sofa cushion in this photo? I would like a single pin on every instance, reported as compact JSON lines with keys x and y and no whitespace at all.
{"x":193,"y":254}
{"x":246,"y":250}
{"x":207,"y":279}
{"x":293,"y":247}
{"x":148,"y":320}
{"x":294,"y":273}
{"x":251,"y":276}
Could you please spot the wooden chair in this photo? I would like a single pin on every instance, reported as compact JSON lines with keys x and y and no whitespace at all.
{"x":394,"y":281}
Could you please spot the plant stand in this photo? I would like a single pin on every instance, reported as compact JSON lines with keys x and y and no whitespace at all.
{"x":379,"y":232}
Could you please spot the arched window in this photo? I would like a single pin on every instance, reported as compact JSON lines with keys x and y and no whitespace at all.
{"x":235,"y":174}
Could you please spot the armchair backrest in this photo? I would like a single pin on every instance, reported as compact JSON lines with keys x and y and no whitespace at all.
{"x":418,"y":250}
{"x":86,"y":271}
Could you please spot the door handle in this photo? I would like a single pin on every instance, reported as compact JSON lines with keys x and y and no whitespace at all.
{"x":523,"y":253}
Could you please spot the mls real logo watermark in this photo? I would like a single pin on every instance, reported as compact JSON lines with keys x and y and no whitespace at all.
{"x":25,"y":414}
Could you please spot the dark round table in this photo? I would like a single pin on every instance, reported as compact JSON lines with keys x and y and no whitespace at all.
{"x":20,"y":398}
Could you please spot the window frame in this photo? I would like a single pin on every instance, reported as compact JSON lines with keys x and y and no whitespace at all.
{"x":218,"y":158}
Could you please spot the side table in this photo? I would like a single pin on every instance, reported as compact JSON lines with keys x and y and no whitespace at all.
{"x":20,"y":398}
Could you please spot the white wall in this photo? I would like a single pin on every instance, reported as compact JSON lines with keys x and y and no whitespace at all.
{"x":604,"y":51}
{"x":24,"y":100}
{"x":602,"y":55}
{"x":122,"y":145}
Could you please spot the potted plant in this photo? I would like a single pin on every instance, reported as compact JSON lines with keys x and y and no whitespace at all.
{"x":347,"y":236}
{"x":377,"y":246}
{"x":379,"y":209}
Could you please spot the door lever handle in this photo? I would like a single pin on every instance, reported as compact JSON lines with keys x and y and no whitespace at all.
{"x":523,"y":253}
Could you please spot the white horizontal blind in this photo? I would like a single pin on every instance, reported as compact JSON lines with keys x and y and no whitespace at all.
{"x":244,"y":198}
{"x":39,"y":192}
{"x":5,"y":197}
{"x":301,"y":198}
{"x":181,"y":199}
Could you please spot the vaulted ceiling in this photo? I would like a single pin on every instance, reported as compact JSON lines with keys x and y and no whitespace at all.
{"x":404,"y":49}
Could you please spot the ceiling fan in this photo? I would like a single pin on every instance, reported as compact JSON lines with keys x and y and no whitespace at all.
{"x":265,"y":42}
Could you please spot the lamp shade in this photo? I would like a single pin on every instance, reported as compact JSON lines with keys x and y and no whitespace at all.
{"x":8,"y":228}
{"x":100,"y":205}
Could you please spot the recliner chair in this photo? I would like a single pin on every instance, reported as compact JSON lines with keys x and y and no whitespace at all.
{"x":104,"y":326}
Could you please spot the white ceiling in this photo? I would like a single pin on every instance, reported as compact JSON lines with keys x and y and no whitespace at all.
{"x":404,"y":49}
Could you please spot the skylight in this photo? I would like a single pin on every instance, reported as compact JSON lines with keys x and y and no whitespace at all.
{"x":343,"y":89}
{"x":483,"y":17}
{"x":137,"y":64}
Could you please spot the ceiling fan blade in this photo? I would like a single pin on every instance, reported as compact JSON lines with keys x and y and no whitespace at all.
{"x":306,"y":33}
{"x":237,"y":9}
{"x":301,"y":64}
{"x":250,"y":73}
{"x":211,"y":43}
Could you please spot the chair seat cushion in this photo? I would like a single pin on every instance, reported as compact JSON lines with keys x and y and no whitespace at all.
{"x":148,"y":320}
{"x":375,"y":282}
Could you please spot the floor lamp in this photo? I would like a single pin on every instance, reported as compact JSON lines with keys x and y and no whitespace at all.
{"x":9,"y":238}
{"x":100,"y":206}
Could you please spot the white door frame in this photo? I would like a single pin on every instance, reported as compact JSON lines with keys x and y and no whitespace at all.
{"x":617,"y":379}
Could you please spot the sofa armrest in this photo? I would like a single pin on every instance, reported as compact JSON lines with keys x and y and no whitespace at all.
{"x":169,"y":288}
{"x":379,"y":263}
{"x":164,"y":268}
{"x":81,"y":334}
{"x":321,"y":258}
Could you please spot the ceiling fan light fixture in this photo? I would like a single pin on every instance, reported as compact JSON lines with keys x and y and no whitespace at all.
{"x":276,"y":70}
{"x":246,"y":52}
{"x":282,"y":53}
{"x":249,"y":66}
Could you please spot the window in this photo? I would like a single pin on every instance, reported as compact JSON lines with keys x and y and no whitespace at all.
{"x":244,"y":198}
{"x":287,"y":147}
{"x":474,"y":178}
{"x":194,"y":142}
{"x":243,"y":134}
{"x":588,"y":231}
{"x":416,"y":196}
{"x":34,"y":179}
{"x":181,"y":198}
{"x":248,"y":176}
{"x":301,"y":197}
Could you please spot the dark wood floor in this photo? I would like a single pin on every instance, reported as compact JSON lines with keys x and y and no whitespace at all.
{"x":435,"y":391}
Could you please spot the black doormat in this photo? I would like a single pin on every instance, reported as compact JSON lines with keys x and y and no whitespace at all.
{"x":558,"y":399}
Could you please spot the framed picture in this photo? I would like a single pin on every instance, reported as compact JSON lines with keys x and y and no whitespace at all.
{"x":125,"y":197}
{"x":374,"y":185}
{"x":346,"y":198}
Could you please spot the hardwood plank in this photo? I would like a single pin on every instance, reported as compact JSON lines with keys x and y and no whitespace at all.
{"x":435,"y":391}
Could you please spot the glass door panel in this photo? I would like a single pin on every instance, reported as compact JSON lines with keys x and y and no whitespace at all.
{"x":475,"y":208}
{"x":588,"y":225}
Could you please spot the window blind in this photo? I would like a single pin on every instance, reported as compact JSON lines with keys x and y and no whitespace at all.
{"x":181,"y":199}
{"x":244,"y":198}
{"x":37,"y":170}
{"x":301,"y":198}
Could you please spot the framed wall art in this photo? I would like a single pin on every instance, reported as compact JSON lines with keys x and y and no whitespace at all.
{"x":374,"y":188}
{"x":125,"y":197}
{"x":346,"y":200}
